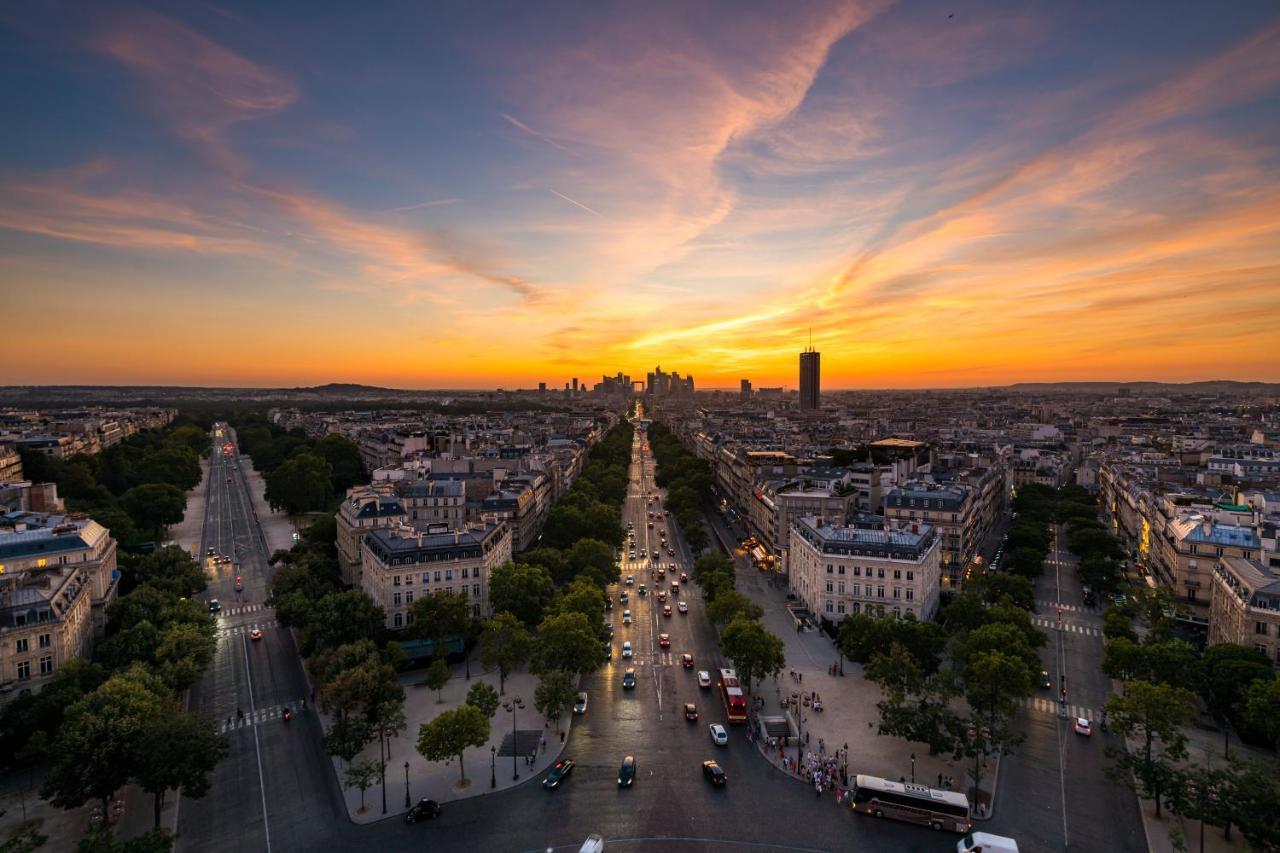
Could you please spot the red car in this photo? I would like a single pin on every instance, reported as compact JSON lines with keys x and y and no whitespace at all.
{"x":664,"y":640}
{"x":684,"y":577}
{"x":691,"y":712}
{"x":686,"y":660}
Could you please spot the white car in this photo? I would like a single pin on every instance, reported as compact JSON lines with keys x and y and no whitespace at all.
{"x":626,"y":617}
{"x":626,"y":649}
{"x":631,"y":580}
{"x":1083,"y":727}
{"x":704,"y":678}
{"x":682,"y":607}
{"x":719,"y":736}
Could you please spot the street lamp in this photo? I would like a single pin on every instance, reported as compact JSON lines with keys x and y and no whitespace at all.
{"x":406,"y":784}
{"x":493,"y":767}
{"x":514,"y":705}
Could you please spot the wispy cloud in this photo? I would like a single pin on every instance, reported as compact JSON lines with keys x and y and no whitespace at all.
{"x":439,"y":202}
{"x":574,"y":202}
{"x":518,"y":124}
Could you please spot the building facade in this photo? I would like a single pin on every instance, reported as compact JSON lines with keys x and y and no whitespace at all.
{"x":837,"y":570}
{"x":366,"y":508}
{"x":810,"y":380}
{"x":401,"y":563}
{"x":1245,"y":607}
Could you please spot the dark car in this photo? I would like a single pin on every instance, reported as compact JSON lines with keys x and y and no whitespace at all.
{"x":686,"y":660}
{"x":214,"y":606}
{"x":562,"y":769}
{"x":627,"y":772}
{"x":1045,"y":682}
{"x":714,"y":773}
{"x":629,"y":679}
{"x":424,"y":810}
{"x":690,"y":711}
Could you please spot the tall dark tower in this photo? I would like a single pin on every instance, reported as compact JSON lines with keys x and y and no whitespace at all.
{"x":810,"y":380}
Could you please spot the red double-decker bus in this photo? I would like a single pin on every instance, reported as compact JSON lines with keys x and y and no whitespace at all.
{"x":735,"y":701}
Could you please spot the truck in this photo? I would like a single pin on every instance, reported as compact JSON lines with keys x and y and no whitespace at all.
{"x":985,"y":842}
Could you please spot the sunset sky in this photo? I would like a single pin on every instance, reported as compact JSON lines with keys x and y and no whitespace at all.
{"x":475,"y":195}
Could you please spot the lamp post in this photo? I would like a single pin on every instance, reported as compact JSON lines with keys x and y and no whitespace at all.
{"x":406,"y":784}
{"x":913,"y":768}
{"x":514,"y":705}
{"x":493,"y":767}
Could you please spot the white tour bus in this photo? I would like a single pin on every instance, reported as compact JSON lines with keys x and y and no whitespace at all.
{"x":911,"y":802}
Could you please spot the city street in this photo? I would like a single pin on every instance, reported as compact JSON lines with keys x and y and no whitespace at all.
{"x":276,"y":782}
{"x":1054,"y":794}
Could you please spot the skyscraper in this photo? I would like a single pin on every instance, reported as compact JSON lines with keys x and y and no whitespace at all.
{"x":745,"y":389}
{"x":810,"y":384}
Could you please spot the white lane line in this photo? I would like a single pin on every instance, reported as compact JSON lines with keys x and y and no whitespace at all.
{"x":257,"y":748}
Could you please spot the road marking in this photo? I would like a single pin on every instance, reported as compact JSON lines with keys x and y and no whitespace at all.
{"x":256,"y":717}
{"x":244,"y":629}
{"x":257,"y":748}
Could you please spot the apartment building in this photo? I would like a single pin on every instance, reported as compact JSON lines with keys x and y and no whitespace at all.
{"x":10,"y":464}
{"x":837,"y":570}
{"x":365,"y":509}
{"x":953,"y":510}
{"x":523,"y":502}
{"x":433,"y":502}
{"x":1245,"y":605}
{"x":57,"y":577}
{"x":399,"y":563}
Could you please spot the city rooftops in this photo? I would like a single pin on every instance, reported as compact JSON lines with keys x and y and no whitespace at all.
{"x":926,"y":496}
{"x":905,"y":443}
{"x":408,"y":545}
{"x":372,"y":504}
{"x":1224,"y":535}
{"x":29,"y":534}
{"x":842,"y":540}
{"x":1254,"y":582}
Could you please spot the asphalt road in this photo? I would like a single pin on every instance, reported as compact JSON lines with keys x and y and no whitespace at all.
{"x":276,"y":781}
{"x":1054,"y":794}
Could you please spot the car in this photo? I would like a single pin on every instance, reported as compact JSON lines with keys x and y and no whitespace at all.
{"x":608,"y":651}
{"x":1083,"y":727}
{"x":228,"y":479}
{"x":671,"y":551}
{"x":675,"y":588}
{"x":719,"y":736}
{"x":214,"y":606}
{"x":631,"y":580}
{"x":558,"y":773}
{"x":1045,"y":681}
{"x":580,"y":705}
{"x":666,"y":512}
{"x":255,"y":634}
{"x":424,"y":810}
{"x":239,"y":584}
{"x":691,"y":712}
{"x":642,"y":590}
{"x":714,"y":774}
{"x":1090,"y":599}
{"x":682,"y":607}
{"x":627,"y":772}
{"x":626,"y":617}
{"x":686,"y":660}
{"x":664,"y":640}
{"x":210,"y":553}
{"x":629,"y":679}
{"x":624,"y":597}
{"x":644,"y":553}
{"x":632,"y":555}
{"x":651,"y":523}
{"x":666,"y":610}
{"x":626,"y":649}
{"x":662,"y":595}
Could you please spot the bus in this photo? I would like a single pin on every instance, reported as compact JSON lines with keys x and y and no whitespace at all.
{"x":735,"y":702}
{"x":911,"y":802}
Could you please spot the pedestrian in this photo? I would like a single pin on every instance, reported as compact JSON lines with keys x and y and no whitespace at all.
{"x":939,"y":780}
{"x":902,"y":780}
{"x":562,"y":737}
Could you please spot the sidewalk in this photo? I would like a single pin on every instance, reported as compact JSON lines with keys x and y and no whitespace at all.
{"x":439,"y":780}
{"x":849,"y":717}
{"x":187,"y":532}
{"x":277,"y":527}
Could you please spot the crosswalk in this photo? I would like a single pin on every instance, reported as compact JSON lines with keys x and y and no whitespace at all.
{"x":257,"y":717}
{"x":237,"y":611}
{"x":1048,"y":706}
{"x":1052,"y":606}
{"x":1067,"y":627}
{"x":238,"y":630}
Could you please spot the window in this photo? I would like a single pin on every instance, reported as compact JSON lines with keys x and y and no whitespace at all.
{"x":46,"y":640}
{"x":24,"y":670}
{"x":856,"y":608}
{"x":879,"y":573}
{"x":1260,"y":628}
{"x":21,"y":645}
{"x":464,"y":574}
{"x":395,"y":581}
{"x":857,"y":571}
{"x":911,"y":596}
{"x":840,"y":588}
{"x":879,"y":592}
{"x":437,"y":576}
{"x":897,"y":592}
{"x":829,"y":589}
{"x":830,"y":569}
{"x":911,"y":576}
{"x":395,"y":600}
{"x":897,"y":574}
{"x":840,"y":607}
{"x":397,"y":620}
{"x":830,"y":607}
{"x":855,"y":590}
{"x":408,"y":597}
{"x":448,"y":574}
{"x":475,"y":590}
{"x":842,"y":570}
{"x":46,"y":664}
{"x":408,"y":580}
{"x":426,"y":577}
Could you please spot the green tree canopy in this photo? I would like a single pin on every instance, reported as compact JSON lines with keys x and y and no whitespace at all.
{"x":341,"y":617}
{"x":730,"y":605}
{"x":593,"y":559}
{"x":482,"y":695}
{"x":581,"y":596}
{"x":449,"y":735}
{"x":154,"y":505}
{"x":506,"y":644}
{"x":181,"y":751}
{"x":343,"y":456}
{"x":437,"y":615}
{"x":522,"y":590}
{"x":170,"y":569}
{"x":556,"y":689}
{"x":566,"y":641}
{"x":438,"y":676}
{"x":301,"y":484}
{"x":754,"y":650}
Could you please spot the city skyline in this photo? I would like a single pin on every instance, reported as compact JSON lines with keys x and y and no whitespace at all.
{"x":947,"y":197}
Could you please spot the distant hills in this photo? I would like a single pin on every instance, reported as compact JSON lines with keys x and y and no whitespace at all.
{"x":1209,"y":386}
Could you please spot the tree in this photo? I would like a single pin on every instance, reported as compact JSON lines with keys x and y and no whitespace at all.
{"x":362,"y":774}
{"x":482,"y":695}
{"x":755,"y":651}
{"x":101,"y":840}
{"x":347,"y":736}
{"x":154,"y":505}
{"x":994,"y":684}
{"x":551,"y":559}
{"x":1261,"y":709}
{"x":862,"y":636}
{"x":583,"y":596}
{"x":730,"y":605}
{"x":1256,"y":800}
{"x":449,"y":734}
{"x":1117,"y":623}
{"x":437,"y":677}
{"x":191,"y":437}
{"x":1006,"y":588}
{"x":100,"y":742}
{"x":175,"y":465}
{"x":1228,"y":671}
{"x":566,"y":641}
{"x":302,"y":483}
{"x":171,"y":570}
{"x":522,"y":590}
{"x":181,"y":751}
{"x":593,"y":559}
{"x":1027,"y":562}
{"x":1153,"y":712}
{"x":185,"y":649}
{"x":437,"y":616}
{"x":996,"y":637}
{"x":343,"y":456}
{"x":505,"y":644}
{"x":26,"y":839}
{"x":341,"y":617}
{"x":556,"y":689}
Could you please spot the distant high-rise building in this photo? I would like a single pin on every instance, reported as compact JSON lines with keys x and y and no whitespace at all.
{"x":542,"y":388}
{"x":745,"y":393}
{"x":810,"y":379}
{"x":575,"y":386}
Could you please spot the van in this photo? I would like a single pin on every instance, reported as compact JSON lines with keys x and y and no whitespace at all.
{"x":593,"y":844}
{"x":983,"y":842}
